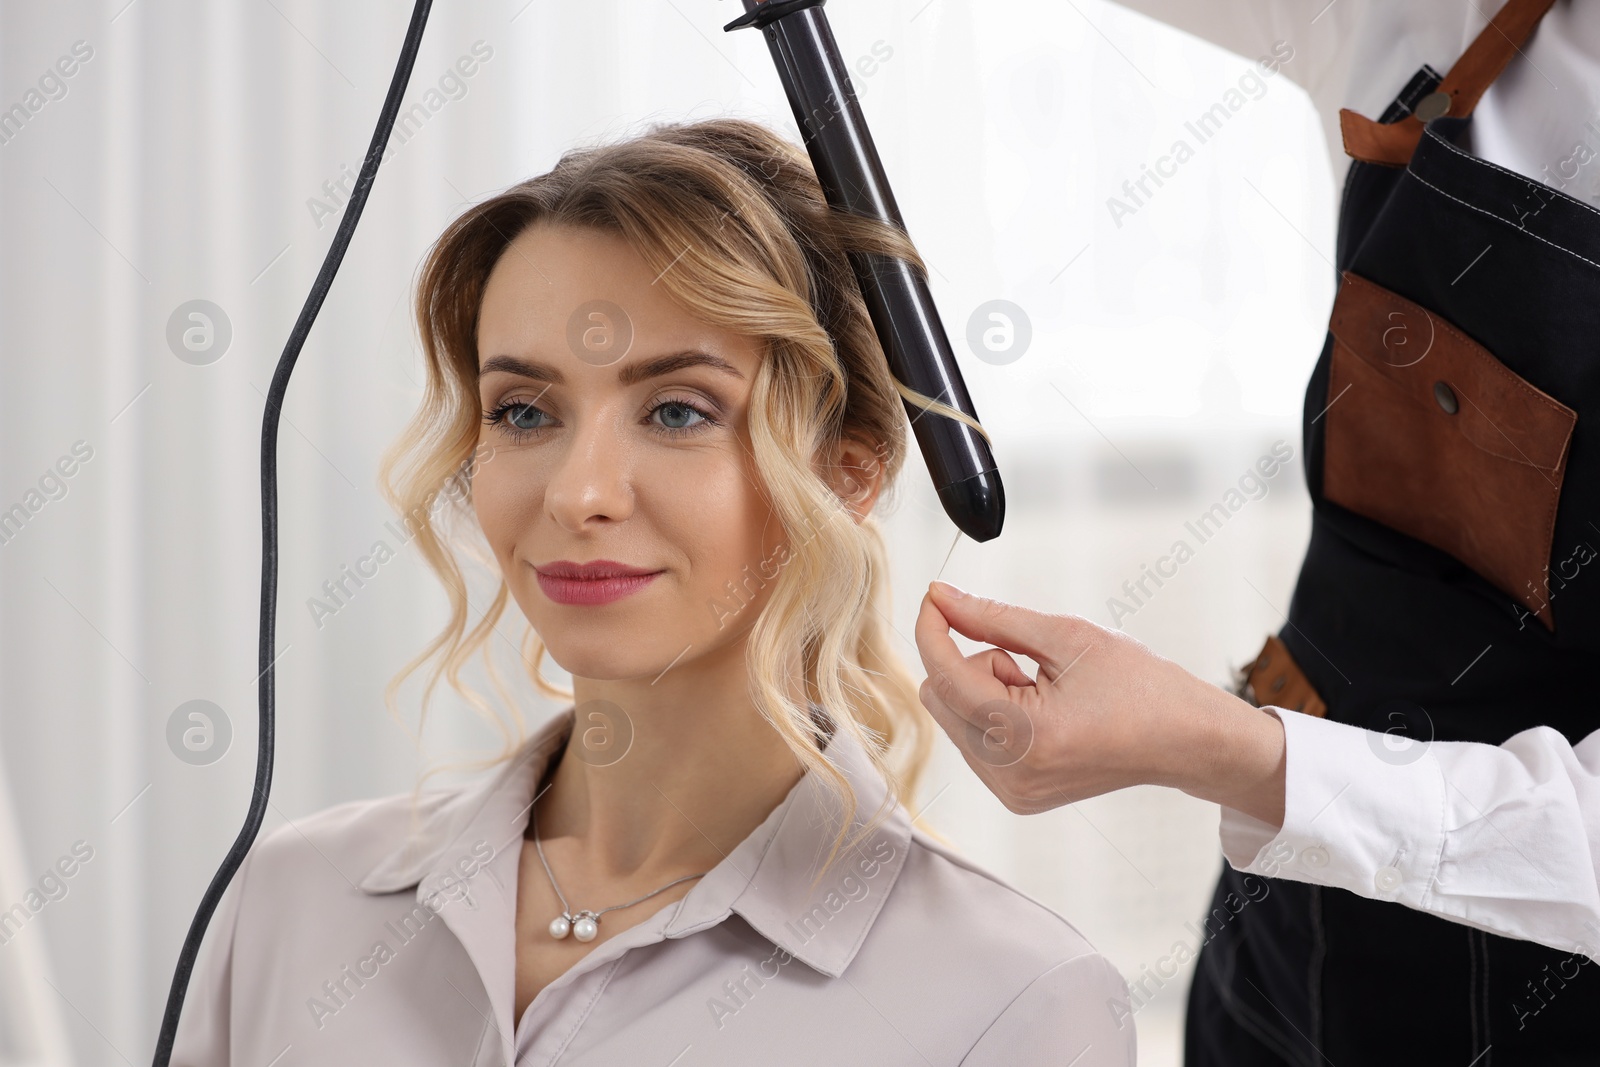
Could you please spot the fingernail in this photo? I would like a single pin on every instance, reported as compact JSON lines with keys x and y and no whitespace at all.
{"x":948,"y":590}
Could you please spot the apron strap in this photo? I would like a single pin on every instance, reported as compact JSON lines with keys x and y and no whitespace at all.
{"x":1392,"y":143}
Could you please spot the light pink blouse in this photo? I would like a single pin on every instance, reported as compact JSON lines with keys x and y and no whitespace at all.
{"x":353,"y":937}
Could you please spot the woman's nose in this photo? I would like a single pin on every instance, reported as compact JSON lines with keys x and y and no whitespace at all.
{"x":592,"y":479}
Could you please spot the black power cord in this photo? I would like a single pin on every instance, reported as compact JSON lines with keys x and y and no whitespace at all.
{"x":269,"y":529}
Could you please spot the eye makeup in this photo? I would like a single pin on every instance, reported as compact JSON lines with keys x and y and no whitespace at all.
{"x":506,"y":414}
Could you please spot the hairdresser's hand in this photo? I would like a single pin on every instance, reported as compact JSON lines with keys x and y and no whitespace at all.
{"x":1105,"y":712}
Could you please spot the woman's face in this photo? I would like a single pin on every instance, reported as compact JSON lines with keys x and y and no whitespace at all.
{"x":633,"y":451}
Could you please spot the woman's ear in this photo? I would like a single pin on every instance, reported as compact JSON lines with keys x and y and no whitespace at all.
{"x":855,"y":475}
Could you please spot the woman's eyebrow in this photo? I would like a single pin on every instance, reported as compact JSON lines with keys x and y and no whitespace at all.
{"x":628,"y":374}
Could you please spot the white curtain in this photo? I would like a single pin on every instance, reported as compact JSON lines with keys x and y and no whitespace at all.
{"x":195,"y":153}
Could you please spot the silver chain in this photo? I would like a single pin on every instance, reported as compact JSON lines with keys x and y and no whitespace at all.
{"x":595,"y":915}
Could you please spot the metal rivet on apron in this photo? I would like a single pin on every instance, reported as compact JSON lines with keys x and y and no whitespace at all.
{"x":1432,"y":106}
{"x":1446,"y":397}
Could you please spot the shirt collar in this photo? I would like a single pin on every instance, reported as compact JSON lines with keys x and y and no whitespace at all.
{"x":767,"y":878}
{"x":492,"y":808}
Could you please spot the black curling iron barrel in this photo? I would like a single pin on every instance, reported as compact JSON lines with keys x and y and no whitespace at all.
{"x":902,"y":308}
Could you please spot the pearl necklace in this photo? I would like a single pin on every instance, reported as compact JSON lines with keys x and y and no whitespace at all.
{"x":585,"y":924}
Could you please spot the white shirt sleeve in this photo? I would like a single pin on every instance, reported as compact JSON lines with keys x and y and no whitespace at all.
{"x":1324,"y":44}
{"x":1501,"y":838}
{"x":1319,"y":32}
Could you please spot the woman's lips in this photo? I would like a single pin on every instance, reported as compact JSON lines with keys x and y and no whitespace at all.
{"x":569,"y":586}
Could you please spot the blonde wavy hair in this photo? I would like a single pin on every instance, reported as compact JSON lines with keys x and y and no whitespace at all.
{"x":737,"y":213}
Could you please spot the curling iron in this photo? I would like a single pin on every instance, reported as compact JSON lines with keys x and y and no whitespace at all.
{"x":902,"y":310}
{"x":903,"y":313}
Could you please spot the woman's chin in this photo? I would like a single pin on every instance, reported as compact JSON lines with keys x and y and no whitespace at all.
{"x":607,"y":659}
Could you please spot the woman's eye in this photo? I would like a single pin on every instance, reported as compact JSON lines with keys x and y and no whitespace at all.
{"x":517,"y":420}
{"x":676,"y":418}
{"x":677,"y":415}
{"x":524,"y":416}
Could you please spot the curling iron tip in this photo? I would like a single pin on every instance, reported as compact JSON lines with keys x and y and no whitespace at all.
{"x":977,"y":505}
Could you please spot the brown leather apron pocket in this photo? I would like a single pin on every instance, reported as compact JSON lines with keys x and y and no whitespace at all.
{"x":1429,"y":434}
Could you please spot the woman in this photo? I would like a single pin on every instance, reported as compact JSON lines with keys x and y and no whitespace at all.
{"x":656,"y":369}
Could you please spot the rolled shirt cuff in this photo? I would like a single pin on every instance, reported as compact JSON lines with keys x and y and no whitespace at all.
{"x":1363,"y":811}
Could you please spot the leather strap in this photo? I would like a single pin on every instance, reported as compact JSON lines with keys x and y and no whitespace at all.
{"x":1274,"y":678}
{"x":1392,"y":143}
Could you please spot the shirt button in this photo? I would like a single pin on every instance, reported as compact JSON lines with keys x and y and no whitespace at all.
{"x":1315,"y":857}
{"x":1387,"y":879}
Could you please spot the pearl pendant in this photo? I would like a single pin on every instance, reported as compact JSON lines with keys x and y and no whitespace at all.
{"x":559,"y":927}
{"x":585,"y":929}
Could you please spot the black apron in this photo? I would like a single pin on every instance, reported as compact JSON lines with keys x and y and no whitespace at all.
{"x":1450,"y":590}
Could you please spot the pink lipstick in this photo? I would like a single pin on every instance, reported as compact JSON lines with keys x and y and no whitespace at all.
{"x":598,"y":582}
